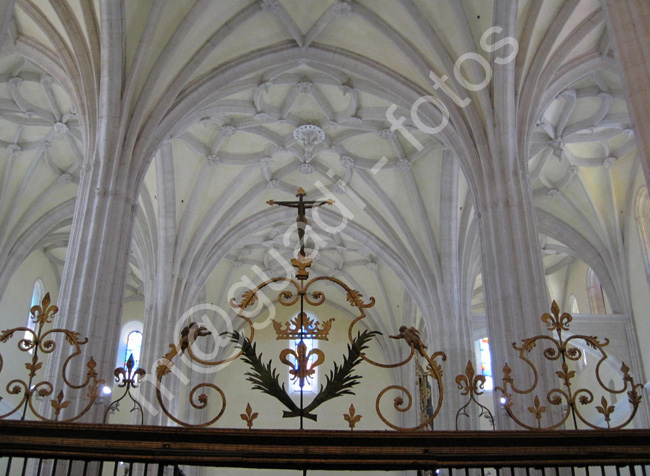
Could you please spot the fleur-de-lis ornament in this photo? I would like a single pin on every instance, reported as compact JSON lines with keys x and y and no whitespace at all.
{"x":59,"y":404}
{"x":538,"y":409}
{"x":249,"y":416}
{"x":351,"y":417}
{"x":605,"y":409}
{"x":301,"y":368}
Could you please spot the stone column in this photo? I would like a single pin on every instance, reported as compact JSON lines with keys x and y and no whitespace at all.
{"x":93,"y":280}
{"x":628,"y":23}
{"x":453,"y":324}
{"x":513,"y":273}
{"x":159,"y":285}
{"x":92,"y":287}
{"x":515,"y":290}
{"x":168,"y":309}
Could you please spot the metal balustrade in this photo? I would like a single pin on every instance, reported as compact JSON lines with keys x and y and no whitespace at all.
{"x":57,"y":446}
{"x":16,"y":466}
{"x":163,"y":450}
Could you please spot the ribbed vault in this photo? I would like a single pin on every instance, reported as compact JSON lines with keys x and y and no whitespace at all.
{"x":185,"y":111}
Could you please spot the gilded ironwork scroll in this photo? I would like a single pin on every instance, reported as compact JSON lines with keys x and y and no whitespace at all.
{"x":127,"y":379}
{"x":341,"y":379}
{"x":38,"y":342}
{"x":302,"y":362}
{"x":472,"y":384}
{"x":433,"y":370}
{"x":198,"y":397}
{"x":565,"y":351}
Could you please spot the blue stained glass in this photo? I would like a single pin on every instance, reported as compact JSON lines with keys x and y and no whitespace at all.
{"x":486,"y":362}
{"x":311,"y":382}
{"x":133,"y":346}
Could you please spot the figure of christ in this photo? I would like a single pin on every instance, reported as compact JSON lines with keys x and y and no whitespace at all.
{"x":301,"y":221}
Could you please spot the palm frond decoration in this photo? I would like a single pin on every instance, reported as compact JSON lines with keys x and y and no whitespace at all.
{"x":264,"y":377}
{"x":341,"y":379}
{"x":339,"y":382}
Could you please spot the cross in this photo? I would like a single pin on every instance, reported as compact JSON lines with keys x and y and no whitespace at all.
{"x":302,"y":206}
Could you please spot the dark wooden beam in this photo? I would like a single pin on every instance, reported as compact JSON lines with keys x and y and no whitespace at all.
{"x":310,"y":449}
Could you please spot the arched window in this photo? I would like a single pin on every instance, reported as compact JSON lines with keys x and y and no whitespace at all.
{"x":573,"y":305}
{"x":130,"y":343}
{"x":133,"y":347}
{"x":595,"y":293}
{"x":37,"y":297}
{"x":642,"y":212}
{"x":486,"y":362}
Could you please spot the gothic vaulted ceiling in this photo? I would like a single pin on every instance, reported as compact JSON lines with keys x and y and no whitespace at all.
{"x":213,"y":91}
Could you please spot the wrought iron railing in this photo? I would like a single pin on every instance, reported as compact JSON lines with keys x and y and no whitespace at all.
{"x":55,"y":445}
{"x":559,"y":354}
{"x":556,"y":349}
{"x":36,"y":343}
{"x":583,"y":452}
{"x":564,"y":350}
{"x":569,"y":397}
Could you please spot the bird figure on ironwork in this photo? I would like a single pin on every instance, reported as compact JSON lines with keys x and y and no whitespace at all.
{"x":412,"y":337}
{"x":190,"y":333}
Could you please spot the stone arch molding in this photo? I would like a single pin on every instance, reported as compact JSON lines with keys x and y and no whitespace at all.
{"x":257,"y":69}
{"x":595,"y":258}
{"x":206,"y":101}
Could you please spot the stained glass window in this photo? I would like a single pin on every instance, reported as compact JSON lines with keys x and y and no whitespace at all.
{"x":486,"y":362}
{"x":133,"y":346}
{"x":310,"y":384}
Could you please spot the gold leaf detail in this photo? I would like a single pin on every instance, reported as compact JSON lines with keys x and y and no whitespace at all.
{"x":354,"y":297}
{"x":605,"y":409}
{"x":555,"y":309}
{"x":33,"y":368}
{"x":310,"y":329}
{"x":248,"y":298}
{"x":351,"y":417}
{"x":59,"y":404}
{"x":249,"y":416}
{"x":538,"y":409}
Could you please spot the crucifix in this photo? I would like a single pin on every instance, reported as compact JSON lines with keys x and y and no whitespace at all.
{"x":301,"y":262}
{"x":301,"y":221}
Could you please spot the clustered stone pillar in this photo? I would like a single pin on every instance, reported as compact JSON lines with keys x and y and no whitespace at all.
{"x":92,"y":288}
{"x":94,"y":275}
{"x":513,"y":273}
{"x":515,"y":291}
{"x":628,"y":24}
{"x":629,"y":28}
{"x":453,"y":326}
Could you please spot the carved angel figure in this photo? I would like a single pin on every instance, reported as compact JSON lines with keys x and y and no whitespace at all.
{"x":412,"y":337}
{"x":189,"y":334}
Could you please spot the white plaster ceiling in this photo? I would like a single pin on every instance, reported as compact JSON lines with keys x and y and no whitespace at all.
{"x":413,"y":242}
